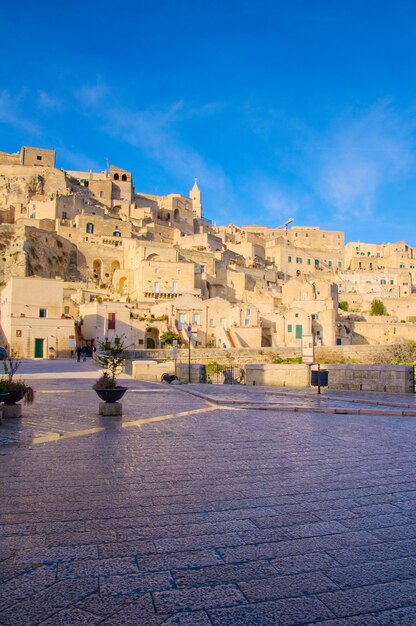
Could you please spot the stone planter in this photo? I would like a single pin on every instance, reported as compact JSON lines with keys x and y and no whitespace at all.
{"x":13,"y":396}
{"x":111,"y":395}
{"x":110,"y":406}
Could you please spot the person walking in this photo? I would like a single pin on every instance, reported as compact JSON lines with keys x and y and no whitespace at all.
{"x":79,"y":352}
{"x":84,"y":354}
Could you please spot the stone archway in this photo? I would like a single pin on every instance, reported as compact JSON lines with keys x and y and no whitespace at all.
{"x":152,"y":338}
{"x":97,"y":268}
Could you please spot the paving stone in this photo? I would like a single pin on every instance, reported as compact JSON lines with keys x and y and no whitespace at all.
{"x":378,"y":552}
{"x":370,"y":598}
{"x":126,"y":548}
{"x":97,"y":567}
{"x":223,"y":573}
{"x":283,"y":612}
{"x":140,"y":612}
{"x":274,"y":588}
{"x":373,"y":573}
{"x":197,"y":618}
{"x":197,"y":599}
{"x":47,"y":602}
{"x":27,"y":583}
{"x":137,"y":583}
{"x":72,"y":617}
{"x":300,"y":563}
{"x":175,"y":560}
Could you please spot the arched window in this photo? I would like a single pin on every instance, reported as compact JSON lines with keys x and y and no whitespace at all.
{"x":116,"y":177}
{"x":89,"y":228}
{"x":176,"y":214}
{"x":124,"y":177}
{"x":116,"y":233}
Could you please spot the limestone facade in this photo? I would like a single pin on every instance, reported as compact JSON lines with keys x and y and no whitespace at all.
{"x":162,"y":266}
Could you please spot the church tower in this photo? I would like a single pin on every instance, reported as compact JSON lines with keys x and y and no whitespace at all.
{"x":195,"y":196}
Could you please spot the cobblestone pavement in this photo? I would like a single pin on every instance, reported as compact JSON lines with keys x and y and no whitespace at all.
{"x":188,"y":513}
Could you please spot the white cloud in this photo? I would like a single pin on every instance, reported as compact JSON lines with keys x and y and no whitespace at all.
{"x":354,"y":162}
{"x":92,"y":95}
{"x":10,"y":115}
{"x":47,"y":102}
{"x":155,"y":133}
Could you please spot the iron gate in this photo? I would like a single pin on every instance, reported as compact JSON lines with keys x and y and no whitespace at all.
{"x":218,"y":374}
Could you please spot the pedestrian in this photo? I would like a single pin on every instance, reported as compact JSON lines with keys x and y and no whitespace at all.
{"x":79,"y":352}
{"x":84,"y":354}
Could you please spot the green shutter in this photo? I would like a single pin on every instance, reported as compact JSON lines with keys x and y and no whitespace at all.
{"x":298,"y":331}
{"x":289,"y":328}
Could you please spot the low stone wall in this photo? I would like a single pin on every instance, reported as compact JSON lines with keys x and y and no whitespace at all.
{"x":218,"y":355}
{"x":388,"y":378}
{"x":198,"y":373}
{"x":149,"y":370}
{"x":292,"y":375}
{"x":357,"y":353}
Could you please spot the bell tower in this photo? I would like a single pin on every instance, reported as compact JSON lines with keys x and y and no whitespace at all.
{"x":195,"y":196}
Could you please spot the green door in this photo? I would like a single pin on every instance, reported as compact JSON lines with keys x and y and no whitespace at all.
{"x":298,"y":331}
{"x":39,"y":348}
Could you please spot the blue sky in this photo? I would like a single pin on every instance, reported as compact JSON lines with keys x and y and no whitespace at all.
{"x":295,"y":108}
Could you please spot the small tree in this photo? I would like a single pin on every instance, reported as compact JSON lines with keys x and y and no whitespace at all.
{"x":377,"y":307}
{"x":167,"y":338}
{"x":111,"y":359}
{"x":343,"y":305}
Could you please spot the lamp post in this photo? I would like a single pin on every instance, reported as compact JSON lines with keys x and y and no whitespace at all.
{"x":285,"y":226}
{"x":189,"y":333}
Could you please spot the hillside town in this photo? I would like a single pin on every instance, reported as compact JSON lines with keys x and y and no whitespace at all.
{"x":85,"y":257}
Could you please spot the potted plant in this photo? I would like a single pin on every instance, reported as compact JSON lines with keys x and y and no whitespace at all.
{"x":12,"y":391}
{"x":111,"y":358}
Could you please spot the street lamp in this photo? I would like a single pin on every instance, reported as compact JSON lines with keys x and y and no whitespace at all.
{"x":285,"y":226}
{"x":189,"y":333}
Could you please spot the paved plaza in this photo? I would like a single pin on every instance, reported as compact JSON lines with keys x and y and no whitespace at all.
{"x":206,"y":506}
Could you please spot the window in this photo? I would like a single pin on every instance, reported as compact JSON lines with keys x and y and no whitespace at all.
{"x":247,"y":322}
{"x":316,"y":262}
{"x":116,"y":177}
{"x":314,"y":316}
{"x":212,"y":323}
{"x":124,"y":177}
{"x":156,"y":286}
{"x":223,"y":322}
{"x":89,"y":228}
{"x":175,"y":286}
{"x":196,"y":319}
{"x":248,"y":312}
{"x":339,"y":263}
{"x":111,"y":321}
{"x":298,"y":259}
{"x":66,"y":310}
{"x":38,"y":157}
{"x":18,"y":333}
{"x":64,"y":215}
{"x":339,"y":341}
{"x":289,"y":328}
{"x":116,"y":233}
{"x":43,"y":313}
{"x":329,"y":263}
{"x":383,"y":281}
{"x":392,"y":282}
{"x":402,"y":265}
{"x":101,"y":194}
{"x":309,"y":261}
{"x":289,"y":259}
{"x":202,"y":269}
{"x":182,"y":318}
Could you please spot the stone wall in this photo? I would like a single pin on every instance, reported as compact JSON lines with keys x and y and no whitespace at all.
{"x":356,"y":353}
{"x":198,"y":373}
{"x":149,"y":370}
{"x":218,"y":355}
{"x":388,"y":378}
{"x":291,"y":375}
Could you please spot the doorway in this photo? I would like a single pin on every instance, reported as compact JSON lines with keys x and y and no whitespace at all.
{"x":39,"y":348}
